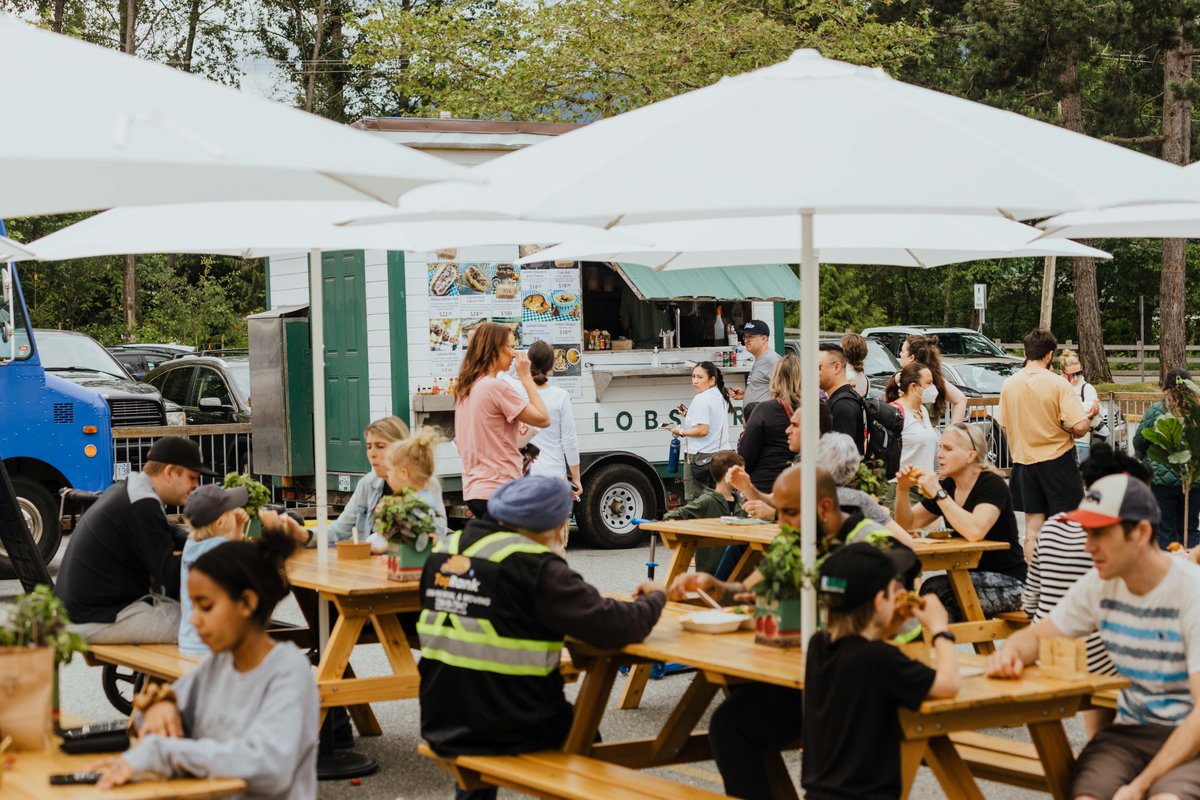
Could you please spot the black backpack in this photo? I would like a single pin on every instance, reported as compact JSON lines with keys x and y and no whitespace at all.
{"x":885,"y":426}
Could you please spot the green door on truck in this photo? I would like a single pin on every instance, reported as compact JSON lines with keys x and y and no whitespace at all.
{"x":347,"y":397}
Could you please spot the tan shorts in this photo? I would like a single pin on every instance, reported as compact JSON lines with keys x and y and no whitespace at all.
{"x":1119,"y":753}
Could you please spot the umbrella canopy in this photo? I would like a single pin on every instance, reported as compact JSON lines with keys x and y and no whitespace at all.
{"x":256,"y":229}
{"x":13,"y":251}
{"x":906,"y":240}
{"x":100,"y":129}
{"x":808,"y":134}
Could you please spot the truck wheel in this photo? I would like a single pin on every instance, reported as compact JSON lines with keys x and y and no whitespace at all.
{"x":41,"y":517}
{"x":612,"y":498}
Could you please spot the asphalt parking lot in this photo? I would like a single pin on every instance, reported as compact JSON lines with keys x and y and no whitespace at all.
{"x":404,"y":775}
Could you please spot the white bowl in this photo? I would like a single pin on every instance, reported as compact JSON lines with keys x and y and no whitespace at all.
{"x":712,"y":621}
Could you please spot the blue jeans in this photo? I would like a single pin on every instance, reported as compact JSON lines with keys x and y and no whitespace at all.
{"x":1170,"y":502}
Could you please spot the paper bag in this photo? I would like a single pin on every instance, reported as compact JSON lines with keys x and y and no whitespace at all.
{"x":26,"y":696}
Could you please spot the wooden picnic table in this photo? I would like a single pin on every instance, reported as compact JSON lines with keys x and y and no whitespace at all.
{"x":955,"y":555}
{"x":1041,"y":699}
{"x":362,"y":594}
{"x":29,"y":779}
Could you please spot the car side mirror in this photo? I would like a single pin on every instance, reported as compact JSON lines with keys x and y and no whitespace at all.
{"x":212,"y":404}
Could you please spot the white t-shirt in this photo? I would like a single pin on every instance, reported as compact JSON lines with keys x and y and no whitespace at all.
{"x":1153,"y":639}
{"x":1089,"y":397}
{"x":707,"y":408}
{"x":558,"y":442}
{"x":919,"y":440}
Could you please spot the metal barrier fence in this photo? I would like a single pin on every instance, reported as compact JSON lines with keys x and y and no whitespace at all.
{"x":1124,"y":411}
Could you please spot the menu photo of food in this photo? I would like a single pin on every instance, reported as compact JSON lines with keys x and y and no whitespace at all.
{"x":443,"y":279}
{"x":514,"y":324}
{"x":445,"y":335}
{"x":473,"y":279}
{"x":536,"y":307}
{"x":568,"y":360}
{"x":505,"y":281}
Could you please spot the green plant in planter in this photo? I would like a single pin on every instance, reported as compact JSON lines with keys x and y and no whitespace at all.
{"x":258,"y":495}
{"x":869,"y":478}
{"x":782,"y":568}
{"x":405,"y":517}
{"x":39,"y":619}
{"x":1175,"y":440}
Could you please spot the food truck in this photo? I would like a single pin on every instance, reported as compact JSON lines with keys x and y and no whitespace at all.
{"x":397,"y":324}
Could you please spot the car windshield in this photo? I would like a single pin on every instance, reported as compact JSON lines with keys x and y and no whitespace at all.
{"x":987,"y":377}
{"x":879,"y":360}
{"x":240,"y":372}
{"x":70,"y":351}
{"x":966,"y":343}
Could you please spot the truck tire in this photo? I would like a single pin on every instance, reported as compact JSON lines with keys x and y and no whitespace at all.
{"x":41,"y":515}
{"x":612,"y":498}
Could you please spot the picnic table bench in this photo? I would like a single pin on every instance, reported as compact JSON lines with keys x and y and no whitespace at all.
{"x":557,"y":775}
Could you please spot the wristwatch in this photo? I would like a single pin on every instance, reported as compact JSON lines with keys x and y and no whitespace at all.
{"x":947,"y":635}
{"x":941,"y":495}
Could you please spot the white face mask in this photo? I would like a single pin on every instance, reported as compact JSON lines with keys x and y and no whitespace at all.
{"x":929,"y":395}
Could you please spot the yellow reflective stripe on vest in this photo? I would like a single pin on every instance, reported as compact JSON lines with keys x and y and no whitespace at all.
{"x":472,"y":643}
{"x":869,"y":530}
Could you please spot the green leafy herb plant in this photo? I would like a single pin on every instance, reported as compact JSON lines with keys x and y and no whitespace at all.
{"x":783,"y":572}
{"x":407,"y":518}
{"x":39,"y":619}
{"x":1175,"y":440}
{"x":258,"y":493}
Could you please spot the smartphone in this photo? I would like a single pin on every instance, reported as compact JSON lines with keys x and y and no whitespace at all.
{"x":75,"y":778}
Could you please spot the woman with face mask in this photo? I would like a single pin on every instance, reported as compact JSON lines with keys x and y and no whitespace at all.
{"x":1073,"y":372}
{"x":914,"y":394}
{"x":924,"y":350}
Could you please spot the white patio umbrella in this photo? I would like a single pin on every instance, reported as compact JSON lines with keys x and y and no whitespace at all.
{"x":13,"y":251}
{"x":906,"y":240}
{"x":99,"y":129}
{"x":808,"y":136}
{"x":256,"y":229}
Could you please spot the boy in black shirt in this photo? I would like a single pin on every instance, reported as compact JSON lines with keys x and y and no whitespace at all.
{"x":855,"y":682}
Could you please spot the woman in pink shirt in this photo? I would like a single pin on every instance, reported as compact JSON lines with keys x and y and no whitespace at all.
{"x":488,"y":412}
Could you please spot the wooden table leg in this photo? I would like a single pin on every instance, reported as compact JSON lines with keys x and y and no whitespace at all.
{"x":590,"y":704}
{"x":687,"y":712}
{"x":635,"y":686}
{"x":365,"y":721}
{"x":912,"y":752}
{"x":681,"y":558}
{"x":951,"y":771}
{"x":968,"y":603}
{"x":1057,"y":759}
{"x":336,"y":657}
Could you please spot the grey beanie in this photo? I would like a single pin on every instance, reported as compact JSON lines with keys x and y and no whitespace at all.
{"x":534,"y":503}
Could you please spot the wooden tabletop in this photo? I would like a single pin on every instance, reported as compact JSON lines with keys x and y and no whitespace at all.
{"x":29,"y":779}
{"x":730,"y":654}
{"x":345,"y":577}
{"x":766,"y":532}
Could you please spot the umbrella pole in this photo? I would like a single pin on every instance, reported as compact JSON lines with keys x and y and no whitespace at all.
{"x":809,"y":428}
{"x":316,"y":316}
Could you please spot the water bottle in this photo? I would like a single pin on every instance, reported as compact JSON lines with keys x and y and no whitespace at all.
{"x":673,"y":455}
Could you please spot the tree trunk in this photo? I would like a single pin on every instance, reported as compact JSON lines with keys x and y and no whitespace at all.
{"x":60,"y":13}
{"x":129,"y":45}
{"x":189,"y":47}
{"x":1177,"y":139}
{"x":1049,"y":275}
{"x":310,"y":88}
{"x":1087,"y":297}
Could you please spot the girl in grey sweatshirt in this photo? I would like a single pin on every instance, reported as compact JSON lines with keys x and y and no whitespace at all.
{"x":247,"y":711}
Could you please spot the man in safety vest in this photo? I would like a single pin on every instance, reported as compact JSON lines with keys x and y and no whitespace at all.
{"x":497,"y":600}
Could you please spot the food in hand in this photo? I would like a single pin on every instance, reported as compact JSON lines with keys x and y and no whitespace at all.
{"x":913,"y":600}
{"x":444,"y":277}
{"x":1174,"y":547}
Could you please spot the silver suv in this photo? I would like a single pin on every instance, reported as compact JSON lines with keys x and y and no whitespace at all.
{"x":953,"y":342}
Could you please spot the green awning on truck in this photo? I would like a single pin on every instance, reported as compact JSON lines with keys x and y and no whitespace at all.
{"x":776,"y":282}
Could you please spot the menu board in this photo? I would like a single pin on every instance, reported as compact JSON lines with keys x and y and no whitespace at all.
{"x":551,"y":310}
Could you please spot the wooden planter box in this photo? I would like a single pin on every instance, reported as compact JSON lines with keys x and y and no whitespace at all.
{"x":405,"y":562}
{"x":777,"y":623}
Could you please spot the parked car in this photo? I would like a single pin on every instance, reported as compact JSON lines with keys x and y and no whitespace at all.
{"x":953,"y":342}
{"x":880,"y":365}
{"x":139,"y":359}
{"x":979,"y":377}
{"x":211,"y":391}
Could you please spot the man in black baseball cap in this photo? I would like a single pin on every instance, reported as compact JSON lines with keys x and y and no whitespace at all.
{"x":120,"y":576}
{"x":758,"y":383}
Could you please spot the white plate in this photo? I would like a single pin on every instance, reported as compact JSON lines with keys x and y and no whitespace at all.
{"x":713,"y":621}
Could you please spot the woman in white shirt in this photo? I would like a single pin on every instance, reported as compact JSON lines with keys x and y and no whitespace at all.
{"x":1073,"y":371}
{"x":557,"y":443}
{"x":919,"y":439}
{"x":705,"y":427}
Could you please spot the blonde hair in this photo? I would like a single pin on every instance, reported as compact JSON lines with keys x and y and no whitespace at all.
{"x":977,"y":441}
{"x":1069,"y":358}
{"x":215,"y":528}
{"x":390,"y":429}
{"x":785,"y":379}
{"x":415,"y":454}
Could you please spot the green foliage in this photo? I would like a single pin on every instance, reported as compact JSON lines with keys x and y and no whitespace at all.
{"x":39,"y":619}
{"x":782,"y":568}
{"x":406,"y":517}
{"x":869,"y":478}
{"x":1175,"y":439}
{"x":259,"y":495}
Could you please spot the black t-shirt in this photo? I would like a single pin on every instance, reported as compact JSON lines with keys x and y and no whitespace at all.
{"x":764,"y":444}
{"x":991,"y":488}
{"x":852,"y":689}
{"x":849,"y":417}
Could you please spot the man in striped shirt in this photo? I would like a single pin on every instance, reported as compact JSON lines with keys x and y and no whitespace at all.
{"x":1146,"y":606}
